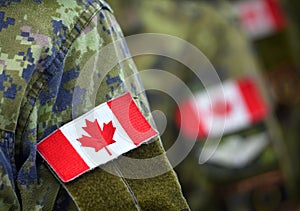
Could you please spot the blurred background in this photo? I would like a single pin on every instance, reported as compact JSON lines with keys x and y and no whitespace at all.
{"x":254,"y":45}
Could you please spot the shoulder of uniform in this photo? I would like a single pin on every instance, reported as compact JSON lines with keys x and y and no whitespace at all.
{"x":49,"y":17}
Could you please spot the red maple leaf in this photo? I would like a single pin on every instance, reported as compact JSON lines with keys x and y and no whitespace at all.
{"x":221,"y":108}
{"x":98,"y":138}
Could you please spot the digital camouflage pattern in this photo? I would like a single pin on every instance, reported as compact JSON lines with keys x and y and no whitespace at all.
{"x":49,"y":75}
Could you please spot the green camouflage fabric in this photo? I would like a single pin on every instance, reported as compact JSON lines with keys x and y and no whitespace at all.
{"x":292,"y":9}
{"x":213,"y":27}
{"x":49,"y":75}
{"x":283,"y":69}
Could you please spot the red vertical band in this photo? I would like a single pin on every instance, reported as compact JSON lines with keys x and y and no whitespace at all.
{"x":277,"y":14}
{"x":131,"y":119}
{"x":256,"y":105}
{"x":61,"y":156}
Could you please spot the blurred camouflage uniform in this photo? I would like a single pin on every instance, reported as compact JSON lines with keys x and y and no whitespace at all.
{"x":49,"y":76}
{"x":292,"y":12}
{"x":283,"y":65}
{"x":211,"y":26}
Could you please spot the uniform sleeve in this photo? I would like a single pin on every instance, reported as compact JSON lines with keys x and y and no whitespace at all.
{"x":98,"y":58}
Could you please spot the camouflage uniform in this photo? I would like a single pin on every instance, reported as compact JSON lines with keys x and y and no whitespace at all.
{"x":280,"y":54}
{"x":49,"y":76}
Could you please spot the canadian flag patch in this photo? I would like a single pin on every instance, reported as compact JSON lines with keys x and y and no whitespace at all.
{"x":101,"y":135}
{"x":218,"y":114}
{"x":260,"y":18}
